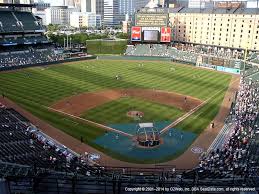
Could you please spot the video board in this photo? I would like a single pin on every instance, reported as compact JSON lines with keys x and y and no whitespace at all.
{"x":155,"y":19}
{"x":136,"y":33}
{"x":151,"y":35}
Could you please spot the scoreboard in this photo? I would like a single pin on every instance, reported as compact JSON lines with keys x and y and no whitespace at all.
{"x":151,"y":34}
{"x":149,"y":19}
{"x":151,"y":26}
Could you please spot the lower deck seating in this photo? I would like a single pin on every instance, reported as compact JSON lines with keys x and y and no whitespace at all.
{"x":20,"y":144}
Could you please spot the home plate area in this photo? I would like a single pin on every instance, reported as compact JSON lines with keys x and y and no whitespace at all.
{"x":173,"y":142}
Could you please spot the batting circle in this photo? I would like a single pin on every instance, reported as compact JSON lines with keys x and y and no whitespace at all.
{"x":197,"y":150}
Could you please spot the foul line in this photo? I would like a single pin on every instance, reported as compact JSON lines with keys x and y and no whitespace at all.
{"x":91,"y":122}
{"x":177,"y":121}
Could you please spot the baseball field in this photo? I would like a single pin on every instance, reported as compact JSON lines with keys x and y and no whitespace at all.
{"x":94,"y":100}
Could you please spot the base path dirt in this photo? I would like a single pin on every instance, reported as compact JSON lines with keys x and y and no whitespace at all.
{"x":78,"y":104}
{"x":187,"y":160}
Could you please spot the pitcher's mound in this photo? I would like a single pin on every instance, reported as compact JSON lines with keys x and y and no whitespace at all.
{"x":135,"y":113}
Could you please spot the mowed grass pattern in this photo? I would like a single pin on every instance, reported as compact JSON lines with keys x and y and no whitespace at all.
{"x":37,"y":88}
{"x":115,"y":111}
{"x":45,"y":86}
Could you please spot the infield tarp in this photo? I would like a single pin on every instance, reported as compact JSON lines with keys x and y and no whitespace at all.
{"x":175,"y":141}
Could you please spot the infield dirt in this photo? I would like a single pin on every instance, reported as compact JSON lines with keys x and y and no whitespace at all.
{"x":78,"y":104}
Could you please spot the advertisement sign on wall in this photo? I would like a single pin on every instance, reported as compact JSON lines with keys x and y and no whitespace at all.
{"x":136,"y":33}
{"x":165,"y":34}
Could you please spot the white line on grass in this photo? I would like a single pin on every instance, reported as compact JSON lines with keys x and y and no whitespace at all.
{"x":177,"y":121}
{"x":91,"y":122}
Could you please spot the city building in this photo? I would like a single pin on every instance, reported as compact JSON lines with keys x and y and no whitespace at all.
{"x":111,"y":15}
{"x":129,"y":7}
{"x":41,"y":14}
{"x":140,"y":4}
{"x":126,"y":7}
{"x":100,"y":7}
{"x":5,"y":1}
{"x":18,"y":1}
{"x":235,"y":28}
{"x":69,"y":3}
{"x":88,"y":6}
{"x":85,"y":19}
{"x":59,"y":14}
{"x":213,"y":3}
{"x":176,"y":3}
{"x":41,"y":6}
{"x":252,"y":4}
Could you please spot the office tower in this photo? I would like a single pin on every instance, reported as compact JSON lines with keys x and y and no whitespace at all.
{"x":112,"y":17}
{"x":88,"y":6}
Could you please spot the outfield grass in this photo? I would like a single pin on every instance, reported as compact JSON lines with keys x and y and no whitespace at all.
{"x":36,"y":88}
{"x":115,"y":111}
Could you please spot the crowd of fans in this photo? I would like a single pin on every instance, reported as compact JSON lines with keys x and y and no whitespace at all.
{"x":239,"y":155}
{"x":189,"y":54}
{"x":22,"y":143}
{"x":212,"y":51}
{"x":160,"y":50}
{"x":28,"y":57}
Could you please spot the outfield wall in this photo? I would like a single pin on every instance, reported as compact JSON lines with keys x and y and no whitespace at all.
{"x":106,"y":46}
{"x":221,"y":68}
{"x":47,"y":63}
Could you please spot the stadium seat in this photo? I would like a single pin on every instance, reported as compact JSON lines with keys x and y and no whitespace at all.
{"x":29,"y":22}
{"x":9,"y":22}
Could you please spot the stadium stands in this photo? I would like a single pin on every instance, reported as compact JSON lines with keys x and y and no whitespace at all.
{"x":191,"y":53}
{"x":23,"y":144}
{"x":239,"y":155}
{"x":14,"y":21}
{"x":161,"y":51}
{"x":29,"y":56}
{"x":9,"y":23}
{"x":23,"y":40}
{"x":28,"y":21}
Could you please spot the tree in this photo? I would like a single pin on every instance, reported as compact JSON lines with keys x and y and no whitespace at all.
{"x":122,"y":35}
{"x":53,"y":27}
